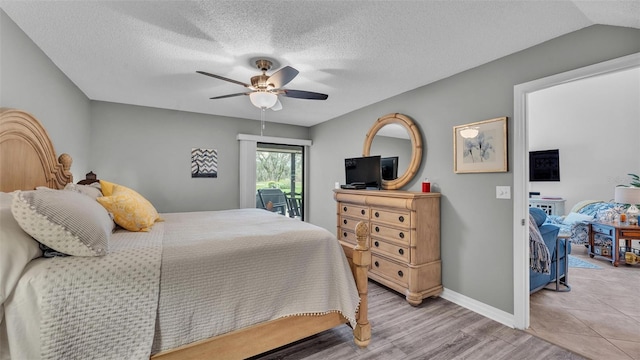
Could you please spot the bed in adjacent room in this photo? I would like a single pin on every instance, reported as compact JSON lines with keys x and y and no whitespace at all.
{"x":223,"y":284}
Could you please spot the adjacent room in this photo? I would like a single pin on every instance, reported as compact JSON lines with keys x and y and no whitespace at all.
{"x":357,"y":171}
{"x":577,"y":195}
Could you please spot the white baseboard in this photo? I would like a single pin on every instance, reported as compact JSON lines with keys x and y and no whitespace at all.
{"x":481,"y":308}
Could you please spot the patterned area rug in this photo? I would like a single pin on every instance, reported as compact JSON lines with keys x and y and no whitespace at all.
{"x":576,"y":262}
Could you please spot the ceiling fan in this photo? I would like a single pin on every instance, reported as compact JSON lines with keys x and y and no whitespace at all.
{"x":264,"y":89}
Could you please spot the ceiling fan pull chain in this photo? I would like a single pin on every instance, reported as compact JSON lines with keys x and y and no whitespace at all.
{"x":262,"y":110}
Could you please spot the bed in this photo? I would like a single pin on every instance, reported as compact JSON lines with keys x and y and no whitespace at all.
{"x":187,"y":288}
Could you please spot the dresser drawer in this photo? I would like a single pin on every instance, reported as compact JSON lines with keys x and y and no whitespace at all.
{"x":400,"y":253}
{"x":360,"y":212}
{"x":389,"y":269}
{"x":348,"y":223}
{"x":348,"y":236}
{"x":391,"y":217}
{"x":606,"y":230}
{"x":387,"y":232}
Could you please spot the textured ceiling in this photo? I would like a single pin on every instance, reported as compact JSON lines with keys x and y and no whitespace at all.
{"x":359,"y":52}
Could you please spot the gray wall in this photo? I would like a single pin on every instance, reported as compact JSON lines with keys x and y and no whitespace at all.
{"x":149,"y":150}
{"x":477,"y":250}
{"x":30,"y":81}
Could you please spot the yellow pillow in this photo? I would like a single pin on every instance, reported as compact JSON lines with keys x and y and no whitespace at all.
{"x":130,"y":210}
{"x":106,"y":187}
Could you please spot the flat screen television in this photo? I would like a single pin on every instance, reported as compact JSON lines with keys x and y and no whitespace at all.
{"x":389,"y":167}
{"x":544,"y":165}
{"x":363,"y":170}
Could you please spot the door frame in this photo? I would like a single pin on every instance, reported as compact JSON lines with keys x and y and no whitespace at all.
{"x":247,"y":166}
{"x":521,"y":171}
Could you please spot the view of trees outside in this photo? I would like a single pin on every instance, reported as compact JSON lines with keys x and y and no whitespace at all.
{"x":273,"y":170}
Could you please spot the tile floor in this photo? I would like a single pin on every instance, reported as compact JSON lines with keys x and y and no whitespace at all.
{"x":599,"y":318}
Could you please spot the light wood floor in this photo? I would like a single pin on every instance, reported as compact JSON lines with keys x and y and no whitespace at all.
{"x":599,"y":318}
{"x":437,"y":329}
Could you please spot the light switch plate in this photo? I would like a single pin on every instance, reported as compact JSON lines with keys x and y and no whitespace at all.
{"x":503,"y":192}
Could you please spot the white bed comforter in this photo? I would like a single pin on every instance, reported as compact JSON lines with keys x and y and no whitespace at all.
{"x":193,"y":276}
{"x":242,"y":267}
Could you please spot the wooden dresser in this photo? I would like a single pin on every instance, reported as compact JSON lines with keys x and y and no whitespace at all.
{"x":404,"y":237}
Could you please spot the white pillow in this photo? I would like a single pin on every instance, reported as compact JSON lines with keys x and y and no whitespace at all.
{"x":91,"y":191}
{"x":573,"y":218}
{"x":17,"y":249}
{"x":66,"y":221}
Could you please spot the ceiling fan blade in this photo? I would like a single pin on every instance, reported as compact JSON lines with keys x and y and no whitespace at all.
{"x":299,"y":94}
{"x":277,"y":106}
{"x":223,"y":78}
{"x":228,"y":96}
{"x":282,"y":77}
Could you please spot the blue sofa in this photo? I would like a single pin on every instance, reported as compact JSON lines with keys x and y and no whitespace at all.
{"x":549,"y":234}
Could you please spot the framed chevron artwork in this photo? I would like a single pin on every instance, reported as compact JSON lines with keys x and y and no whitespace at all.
{"x":204,"y":163}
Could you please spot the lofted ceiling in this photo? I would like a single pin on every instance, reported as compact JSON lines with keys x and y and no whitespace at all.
{"x":358,"y":52}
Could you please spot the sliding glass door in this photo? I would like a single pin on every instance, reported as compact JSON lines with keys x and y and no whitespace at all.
{"x":280,"y":179}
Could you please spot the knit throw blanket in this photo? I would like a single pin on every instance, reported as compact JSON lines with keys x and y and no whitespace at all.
{"x":539,"y":257}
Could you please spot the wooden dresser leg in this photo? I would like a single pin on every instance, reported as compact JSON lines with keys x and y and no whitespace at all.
{"x":414,"y":299}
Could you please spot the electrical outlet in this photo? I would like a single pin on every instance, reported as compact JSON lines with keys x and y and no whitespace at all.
{"x":503,"y":192}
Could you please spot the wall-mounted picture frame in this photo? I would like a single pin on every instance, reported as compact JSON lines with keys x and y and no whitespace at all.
{"x":204,"y":163}
{"x":480,"y":147}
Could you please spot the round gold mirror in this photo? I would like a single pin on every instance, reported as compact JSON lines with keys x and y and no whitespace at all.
{"x":397,"y":140}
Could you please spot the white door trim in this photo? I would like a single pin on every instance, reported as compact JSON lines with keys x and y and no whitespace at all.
{"x":274,"y":140}
{"x":521,"y":172}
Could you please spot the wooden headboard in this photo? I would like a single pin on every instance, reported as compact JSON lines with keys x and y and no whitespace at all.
{"x":27,"y":157}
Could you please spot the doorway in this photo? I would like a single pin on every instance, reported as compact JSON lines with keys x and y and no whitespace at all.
{"x":521,"y":188}
{"x":280,"y":179}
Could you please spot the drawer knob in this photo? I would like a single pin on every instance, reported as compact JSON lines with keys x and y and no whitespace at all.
{"x":401,"y":218}
{"x":377,"y":264}
{"x":344,"y":234}
{"x":377,"y":229}
{"x":376,"y":244}
{"x":362,"y":211}
{"x":401,"y":251}
{"x":377,"y":214}
{"x":344,"y":221}
{"x":344,"y":209}
{"x":401,"y":235}
{"x":400,"y":273}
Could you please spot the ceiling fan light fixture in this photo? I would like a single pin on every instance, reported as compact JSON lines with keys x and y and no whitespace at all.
{"x":263,"y":100}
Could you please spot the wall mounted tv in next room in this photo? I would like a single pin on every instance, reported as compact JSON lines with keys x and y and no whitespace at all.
{"x":363,"y":172}
{"x":544,"y":165}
